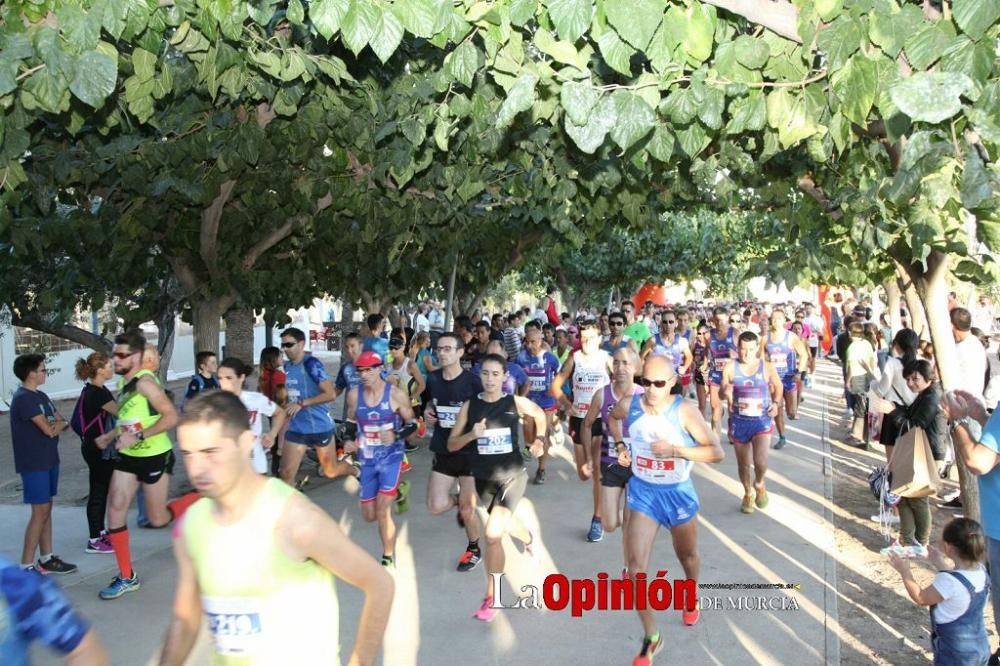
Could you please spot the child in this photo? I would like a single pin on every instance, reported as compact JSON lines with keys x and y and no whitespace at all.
{"x":204,"y":379}
{"x":232,"y":375}
{"x":956,"y":596}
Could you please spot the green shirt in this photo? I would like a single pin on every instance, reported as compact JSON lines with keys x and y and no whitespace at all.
{"x":639,"y":332}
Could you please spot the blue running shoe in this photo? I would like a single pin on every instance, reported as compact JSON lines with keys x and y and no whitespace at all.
{"x":780,"y":443}
{"x":119,"y":586}
{"x":596,"y":532}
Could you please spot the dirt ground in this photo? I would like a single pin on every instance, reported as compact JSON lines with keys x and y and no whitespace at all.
{"x":881,"y":624}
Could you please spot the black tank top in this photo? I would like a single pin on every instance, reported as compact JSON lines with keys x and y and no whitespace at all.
{"x":447,"y":398}
{"x":498,"y":451}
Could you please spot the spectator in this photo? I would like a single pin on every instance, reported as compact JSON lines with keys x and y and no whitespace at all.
{"x":551,"y":312}
{"x":892,"y":385}
{"x":206,"y":365}
{"x":375,"y":341}
{"x":436,"y":320}
{"x":861,"y":367}
{"x":983,"y":315}
{"x":421,"y":322}
{"x":35,"y":426}
{"x":512,"y":335}
{"x":956,"y":596}
{"x":272,"y":384}
{"x":91,"y":416}
{"x":915,"y":512}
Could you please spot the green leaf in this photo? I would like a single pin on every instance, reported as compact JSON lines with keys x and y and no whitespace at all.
{"x":579,"y":100}
{"x":589,"y":137}
{"x":616,"y":52}
{"x":979,"y":185}
{"x":930,"y":96}
{"x":751,"y":52}
{"x":522,"y":11}
{"x":82,"y":30}
{"x":988,"y":231}
{"x":924,"y":47}
{"x":635,"y":118}
{"x":561,"y":51}
{"x":967,"y":57}
{"x":414,"y":130}
{"x":45,"y":90}
{"x":144,"y":64}
{"x":96,"y":76}
{"x":700,"y":30}
{"x":841,"y":39}
{"x":693,"y":140}
{"x":635,"y":20}
{"x":358,"y":25}
{"x":975,"y":17}
{"x":748,"y":114}
{"x":295,"y":14}
{"x":829,"y":9}
{"x":387,"y":36}
{"x":711,"y":108}
{"x":520,"y":98}
{"x":682,"y":104}
{"x":890,"y":31}
{"x":327,"y":15}
{"x":840,"y":132}
{"x":8,"y":76}
{"x":787,"y":114}
{"x":855,"y":85}
{"x":570,"y":17}
{"x":661,"y":145}
{"x":462,"y":63}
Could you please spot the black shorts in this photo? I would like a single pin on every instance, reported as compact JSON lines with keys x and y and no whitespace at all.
{"x":452,"y":464}
{"x":502,"y":492}
{"x":813,"y":351}
{"x":614,"y":475}
{"x":576,"y":426}
{"x":678,"y":388}
{"x":149,"y":469}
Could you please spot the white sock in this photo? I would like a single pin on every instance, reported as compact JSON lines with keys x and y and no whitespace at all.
{"x":45,"y":558}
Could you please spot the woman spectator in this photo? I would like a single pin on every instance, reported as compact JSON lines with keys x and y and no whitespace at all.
{"x":96,"y":407}
{"x":861,"y":368}
{"x":272,"y":384}
{"x":923,"y":412}
{"x":893,"y":387}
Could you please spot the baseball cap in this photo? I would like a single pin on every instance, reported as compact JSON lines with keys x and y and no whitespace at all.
{"x":368,"y":359}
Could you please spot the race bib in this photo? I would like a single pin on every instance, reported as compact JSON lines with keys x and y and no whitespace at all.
{"x":751,"y":406}
{"x":133,"y":427}
{"x":293,"y":395}
{"x":373,"y":435}
{"x":537,"y":384}
{"x":654,"y":470}
{"x":447,"y":415}
{"x":780,"y":362}
{"x":721,"y":363}
{"x":234,"y":623}
{"x":495,"y":441}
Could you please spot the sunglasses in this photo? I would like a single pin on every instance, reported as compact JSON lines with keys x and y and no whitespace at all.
{"x":658,"y":383}
{"x":671,"y":322}
{"x":395,"y":346}
{"x":124,"y":355}
{"x":288,"y":345}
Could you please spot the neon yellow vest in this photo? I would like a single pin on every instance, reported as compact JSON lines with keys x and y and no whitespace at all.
{"x":134,"y":413}
{"x":261,"y":606}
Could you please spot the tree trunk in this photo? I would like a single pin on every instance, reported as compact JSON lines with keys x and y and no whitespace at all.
{"x":932,"y":286}
{"x":239,"y":334}
{"x":206,"y":318}
{"x":918,"y":316}
{"x":268,"y":329}
{"x":166,"y":325}
{"x":396,"y":319}
{"x":347,"y":313}
{"x":893,"y":298}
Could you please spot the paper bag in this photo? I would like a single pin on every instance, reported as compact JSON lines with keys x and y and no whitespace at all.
{"x":877,"y":403}
{"x":913,"y":471}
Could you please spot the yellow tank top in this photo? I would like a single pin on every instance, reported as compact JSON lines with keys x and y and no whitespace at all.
{"x":261,"y":606}
{"x":135,"y":413}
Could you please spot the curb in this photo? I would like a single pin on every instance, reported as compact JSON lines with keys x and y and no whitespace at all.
{"x":830,"y":602}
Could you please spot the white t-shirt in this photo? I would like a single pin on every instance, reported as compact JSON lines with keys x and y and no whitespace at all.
{"x":816,"y":325}
{"x":421,"y":323}
{"x":971,"y":366}
{"x":258,"y":405}
{"x":956,"y":597}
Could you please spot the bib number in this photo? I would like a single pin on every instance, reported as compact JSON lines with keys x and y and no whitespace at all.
{"x":753,"y":407}
{"x":654,"y":469}
{"x":235,"y":625}
{"x":780,"y":362}
{"x":495,"y":441}
{"x":447,"y":415}
{"x":536,"y":384}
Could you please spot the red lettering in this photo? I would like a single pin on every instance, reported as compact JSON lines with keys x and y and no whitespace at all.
{"x":555,"y":583}
{"x":583,"y":596}
{"x":685,"y":594}
{"x":602,"y":591}
{"x":659,"y":592}
{"x":640,"y":591}
{"x":622,"y":594}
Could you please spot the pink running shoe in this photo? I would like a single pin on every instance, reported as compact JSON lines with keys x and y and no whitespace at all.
{"x":100,"y":546}
{"x":486,"y":612}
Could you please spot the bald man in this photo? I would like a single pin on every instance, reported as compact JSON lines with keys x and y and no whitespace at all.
{"x":667,"y":435}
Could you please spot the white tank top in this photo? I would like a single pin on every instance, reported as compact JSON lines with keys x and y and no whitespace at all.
{"x":644,"y":429}
{"x":590,"y":373}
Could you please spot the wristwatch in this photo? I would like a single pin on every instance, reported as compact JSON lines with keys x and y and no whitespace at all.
{"x":964,"y":422}
{"x":141,"y":436}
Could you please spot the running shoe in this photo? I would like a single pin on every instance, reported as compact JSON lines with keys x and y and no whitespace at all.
{"x":54,"y":565}
{"x":100,"y":545}
{"x":917,"y":550}
{"x":762,"y":499}
{"x":120,"y":586}
{"x":33,"y":569}
{"x":469,"y":560}
{"x":403,"y":497}
{"x":780,"y":444}
{"x":486,"y":612}
{"x":388,"y":562}
{"x":596,"y":532}
{"x":539,"y":477}
{"x":747,"y":505}
{"x":649,"y":648}
{"x":896,"y":549}
{"x":691,"y":617}
{"x":405,"y":467}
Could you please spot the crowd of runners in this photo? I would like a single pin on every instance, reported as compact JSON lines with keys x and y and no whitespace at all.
{"x":642,"y":393}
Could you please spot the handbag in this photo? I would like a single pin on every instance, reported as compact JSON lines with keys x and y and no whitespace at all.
{"x":912,"y":467}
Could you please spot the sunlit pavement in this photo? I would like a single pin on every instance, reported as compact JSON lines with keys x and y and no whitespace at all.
{"x":789,"y":542}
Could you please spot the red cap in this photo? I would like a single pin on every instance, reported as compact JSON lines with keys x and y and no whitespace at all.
{"x":368,"y":359}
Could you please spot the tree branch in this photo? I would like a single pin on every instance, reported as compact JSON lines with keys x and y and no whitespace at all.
{"x":281,"y":233}
{"x":779,"y":17}
{"x":185,"y":274}
{"x":808,"y":185}
{"x":208,"y":242}
{"x":66,"y":331}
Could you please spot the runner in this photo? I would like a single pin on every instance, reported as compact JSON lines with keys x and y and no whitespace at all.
{"x":684,"y":330}
{"x":722,"y":349}
{"x":309,"y":423}
{"x":259,"y":560}
{"x":492,"y":420}
{"x":516,"y":380}
{"x":405,"y":376}
{"x":668,"y":342}
{"x":449,"y":388}
{"x":636,"y":330}
{"x":788,"y":356}
{"x":617,"y":338}
{"x":590,"y":369}
{"x":700,"y":354}
{"x":464,"y":330}
{"x":668,"y":435}
{"x":232,"y":375}
{"x":374,"y":342}
{"x":145,"y":454}
{"x":752,"y":390}
{"x":541,"y":368}
{"x":376,"y":412}
{"x":613,"y":476}
{"x":816,"y":327}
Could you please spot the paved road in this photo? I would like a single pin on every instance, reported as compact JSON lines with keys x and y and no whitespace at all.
{"x":791,"y":542}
